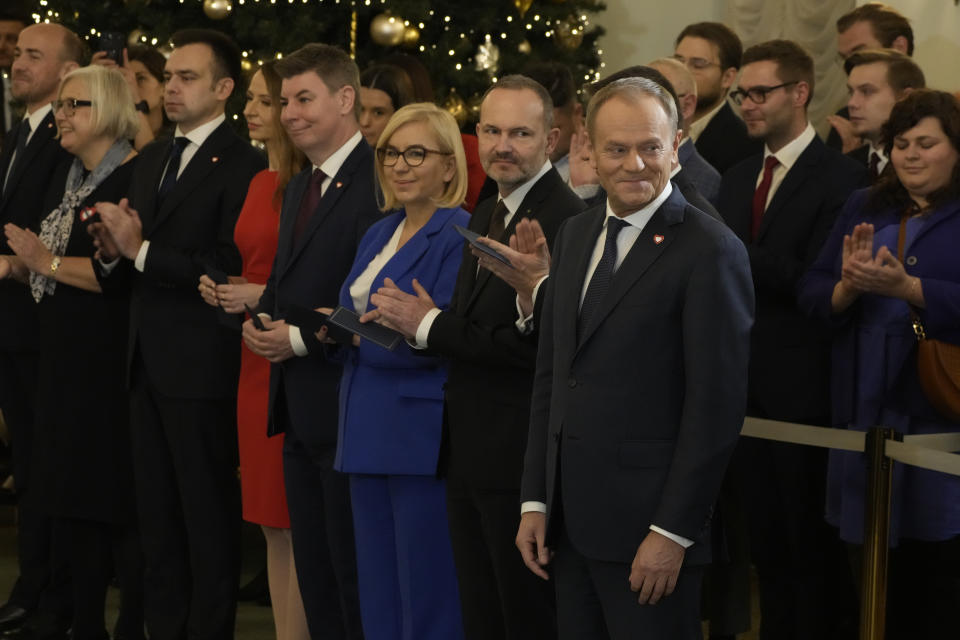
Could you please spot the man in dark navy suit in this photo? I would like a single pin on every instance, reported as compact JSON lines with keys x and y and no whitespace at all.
{"x":782,"y":204}
{"x":185,"y":197}
{"x":43,"y":55}
{"x":326,"y":210}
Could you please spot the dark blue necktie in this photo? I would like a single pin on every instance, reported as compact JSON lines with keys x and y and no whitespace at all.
{"x":173,"y":166}
{"x":22,"y":136}
{"x":602,"y":275}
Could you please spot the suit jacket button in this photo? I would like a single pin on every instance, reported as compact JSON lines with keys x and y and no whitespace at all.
{"x":911,"y":260}
{"x":571,"y":382}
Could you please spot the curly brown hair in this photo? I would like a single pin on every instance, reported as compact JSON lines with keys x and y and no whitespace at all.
{"x":917,"y":105}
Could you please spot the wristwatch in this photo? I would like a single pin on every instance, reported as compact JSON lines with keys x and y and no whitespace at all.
{"x":142,"y":107}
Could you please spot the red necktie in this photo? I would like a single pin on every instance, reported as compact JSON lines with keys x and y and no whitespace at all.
{"x":760,"y":195}
{"x":874,"y":166}
{"x":309,"y":203}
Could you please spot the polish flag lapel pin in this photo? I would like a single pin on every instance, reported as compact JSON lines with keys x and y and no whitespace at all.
{"x":657,"y":239}
{"x":339,"y":184}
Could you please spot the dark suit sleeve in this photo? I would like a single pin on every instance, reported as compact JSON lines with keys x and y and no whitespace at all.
{"x":533,"y":485}
{"x":716,"y":322}
{"x":455,"y":336}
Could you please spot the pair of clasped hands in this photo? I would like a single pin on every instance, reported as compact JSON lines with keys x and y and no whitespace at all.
{"x":864,"y":271}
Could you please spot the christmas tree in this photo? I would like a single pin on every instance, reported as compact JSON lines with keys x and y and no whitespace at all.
{"x":465,"y":45}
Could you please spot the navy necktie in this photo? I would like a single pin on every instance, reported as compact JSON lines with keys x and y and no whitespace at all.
{"x":309,"y":203}
{"x":874,"y":166}
{"x":602,"y":275}
{"x":22,"y":136}
{"x":497,"y":220}
{"x":173,"y":165}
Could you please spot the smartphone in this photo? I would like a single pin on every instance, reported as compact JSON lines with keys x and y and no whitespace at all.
{"x":113,"y":42}
{"x":257,"y":322}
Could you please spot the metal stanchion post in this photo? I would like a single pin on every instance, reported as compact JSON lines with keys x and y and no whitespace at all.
{"x":876,"y":535}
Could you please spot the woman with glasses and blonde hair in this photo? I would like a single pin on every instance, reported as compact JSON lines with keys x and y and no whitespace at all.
{"x":82,"y":474}
{"x":391,"y":402}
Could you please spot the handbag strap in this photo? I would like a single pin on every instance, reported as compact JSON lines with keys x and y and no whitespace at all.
{"x":901,"y":242}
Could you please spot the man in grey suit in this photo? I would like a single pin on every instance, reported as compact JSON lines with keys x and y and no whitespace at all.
{"x":639,"y":390}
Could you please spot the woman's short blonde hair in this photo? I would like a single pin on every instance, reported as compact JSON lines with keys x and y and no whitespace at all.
{"x":447,"y":133}
{"x":113,"y":113}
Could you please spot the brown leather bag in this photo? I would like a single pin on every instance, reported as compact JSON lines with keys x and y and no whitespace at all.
{"x":938,"y":362}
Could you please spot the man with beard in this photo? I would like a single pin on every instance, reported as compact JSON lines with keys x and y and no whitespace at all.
{"x":712,"y":53}
{"x":487,"y":397}
{"x":782,"y":204}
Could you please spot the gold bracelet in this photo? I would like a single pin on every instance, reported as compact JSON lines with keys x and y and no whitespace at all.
{"x":54,"y":265}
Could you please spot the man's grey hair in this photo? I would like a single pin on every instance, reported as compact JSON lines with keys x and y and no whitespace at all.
{"x":632,"y":89}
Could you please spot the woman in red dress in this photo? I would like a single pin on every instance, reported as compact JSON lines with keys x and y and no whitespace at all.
{"x":261,"y":466}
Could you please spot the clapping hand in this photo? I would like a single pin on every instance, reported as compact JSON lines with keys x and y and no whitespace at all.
{"x":123,"y":224}
{"x":529,"y":255}
{"x":27,"y":246}
{"x":399,"y":310}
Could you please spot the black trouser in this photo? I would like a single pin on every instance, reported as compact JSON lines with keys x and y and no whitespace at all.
{"x":188,"y":502}
{"x":500,"y":598}
{"x":18,"y":390}
{"x":94,"y":552}
{"x":321,"y":526}
{"x":594,"y":601}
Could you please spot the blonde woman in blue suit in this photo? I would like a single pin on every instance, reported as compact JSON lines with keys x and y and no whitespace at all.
{"x":391,"y":402}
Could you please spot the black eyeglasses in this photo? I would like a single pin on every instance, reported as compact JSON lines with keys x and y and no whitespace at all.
{"x":70,"y":105}
{"x":757,"y":94}
{"x":413,"y":156}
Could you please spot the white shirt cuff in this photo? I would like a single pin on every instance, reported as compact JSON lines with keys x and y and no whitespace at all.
{"x":423,"y":329}
{"x":680,"y":540}
{"x":533,"y":506}
{"x":296,"y":341}
{"x":525,"y":324}
{"x":107,"y":267}
{"x":141,"y":261}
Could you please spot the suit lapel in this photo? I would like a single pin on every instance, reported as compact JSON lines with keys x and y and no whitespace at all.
{"x":480,"y":223}
{"x":527,"y":209}
{"x":795,"y":178}
{"x":337,"y":187}
{"x":204,"y":161}
{"x":574,"y":279}
{"x":153,"y":164}
{"x":44,"y":133}
{"x":645,"y":251}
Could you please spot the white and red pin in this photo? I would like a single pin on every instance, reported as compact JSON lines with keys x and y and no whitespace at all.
{"x":215,"y":159}
{"x":339,"y":184}
{"x":657,"y":239}
{"x":86,"y":213}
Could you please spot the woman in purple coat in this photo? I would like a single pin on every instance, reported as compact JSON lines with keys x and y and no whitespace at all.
{"x":860,"y":286}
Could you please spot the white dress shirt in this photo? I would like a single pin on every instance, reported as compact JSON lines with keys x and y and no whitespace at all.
{"x":360,"y":288}
{"x":787,"y":156}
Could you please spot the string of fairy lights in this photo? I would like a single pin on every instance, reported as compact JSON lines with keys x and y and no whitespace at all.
{"x":476,"y":49}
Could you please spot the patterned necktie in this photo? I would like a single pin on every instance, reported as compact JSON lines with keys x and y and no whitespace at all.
{"x":497,"y":226}
{"x":309,"y":203}
{"x":874,"y":166}
{"x":22,"y":136}
{"x":760,"y":195}
{"x":602,"y":275}
{"x":173,"y":165}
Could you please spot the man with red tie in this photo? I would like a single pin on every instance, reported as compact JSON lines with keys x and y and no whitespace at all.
{"x":876,"y":80}
{"x":782,"y":204}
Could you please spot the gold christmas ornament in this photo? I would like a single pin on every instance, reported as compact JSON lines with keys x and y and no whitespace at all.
{"x":522,"y":6}
{"x":456,"y":107}
{"x":525,"y":47}
{"x":217,"y":9}
{"x":569,"y":33}
{"x":411,"y":36}
{"x":134,"y":37}
{"x":387,"y":30}
{"x":487,"y":57}
{"x":246,"y":65}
